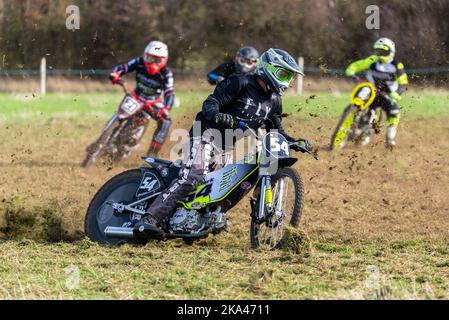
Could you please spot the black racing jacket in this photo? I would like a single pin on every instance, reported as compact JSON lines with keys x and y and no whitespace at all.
{"x":243,"y":97}
{"x":150,"y":86}
{"x":223,"y":71}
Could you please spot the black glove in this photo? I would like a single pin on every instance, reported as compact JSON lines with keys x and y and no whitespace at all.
{"x":302,"y":145}
{"x":225,"y":120}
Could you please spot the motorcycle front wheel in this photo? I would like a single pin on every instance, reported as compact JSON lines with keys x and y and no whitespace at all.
{"x":95,"y":150}
{"x":341,"y":132}
{"x":288,"y":203}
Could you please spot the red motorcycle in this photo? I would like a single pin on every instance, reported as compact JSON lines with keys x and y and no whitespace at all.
{"x":124,"y":130}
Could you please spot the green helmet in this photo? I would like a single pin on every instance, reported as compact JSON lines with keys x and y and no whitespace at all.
{"x":277,"y":69}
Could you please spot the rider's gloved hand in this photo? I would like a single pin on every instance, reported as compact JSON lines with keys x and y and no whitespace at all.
{"x":114,"y":77}
{"x":302,"y":145}
{"x":349,"y":73}
{"x":225,"y":120}
{"x":395,"y":96}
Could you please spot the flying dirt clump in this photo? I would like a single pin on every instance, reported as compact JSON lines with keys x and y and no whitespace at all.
{"x":41,"y":223}
{"x":295,"y":241}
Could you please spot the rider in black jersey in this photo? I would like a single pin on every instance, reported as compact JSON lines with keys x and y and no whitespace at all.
{"x":244,"y":63}
{"x":256,"y":98}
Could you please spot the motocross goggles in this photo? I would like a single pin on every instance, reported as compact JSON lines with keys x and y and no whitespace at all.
{"x":243,"y":60}
{"x":281,"y":74}
{"x":247,"y":64}
{"x":149,"y":58}
{"x":382,"y":52}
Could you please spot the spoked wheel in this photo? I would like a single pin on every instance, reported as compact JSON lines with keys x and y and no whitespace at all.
{"x":288,"y":195}
{"x":342,"y":132}
{"x":95,"y":150}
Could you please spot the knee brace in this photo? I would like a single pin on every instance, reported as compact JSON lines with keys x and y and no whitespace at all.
{"x":393,"y":120}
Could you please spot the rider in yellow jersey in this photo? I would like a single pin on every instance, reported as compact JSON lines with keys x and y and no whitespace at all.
{"x":388,"y":74}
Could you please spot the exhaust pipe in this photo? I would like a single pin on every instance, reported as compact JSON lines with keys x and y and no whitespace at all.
{"x":119,"y":232}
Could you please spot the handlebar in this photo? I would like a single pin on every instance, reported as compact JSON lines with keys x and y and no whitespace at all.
{"x":243,"y":125}
{"x":122,"y":84}
{"x":304,"y":150}
{"x":360,"y":76}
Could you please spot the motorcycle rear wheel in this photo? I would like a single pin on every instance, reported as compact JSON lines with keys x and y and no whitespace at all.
{"x":100,"y":214}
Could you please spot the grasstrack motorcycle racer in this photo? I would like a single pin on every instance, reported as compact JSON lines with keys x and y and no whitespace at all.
{"x":153,"y":80}
{"x":387,"y":74}
{"x":236,"y":97}
{"x":245,"y":62}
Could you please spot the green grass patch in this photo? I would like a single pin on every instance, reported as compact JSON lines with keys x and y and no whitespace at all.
{"x":84,"y":270}
{"x":82,"y":107}
{"x":79,"y":107}
{"x":332,"y":105}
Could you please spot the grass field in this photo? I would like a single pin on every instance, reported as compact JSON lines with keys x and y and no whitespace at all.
{"x":375,"y":225}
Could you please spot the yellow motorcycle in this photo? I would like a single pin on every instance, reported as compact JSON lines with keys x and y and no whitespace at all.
{"x":361,"y":119}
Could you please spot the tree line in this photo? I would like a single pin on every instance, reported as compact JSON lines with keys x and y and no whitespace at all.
{"x":201,"y":33}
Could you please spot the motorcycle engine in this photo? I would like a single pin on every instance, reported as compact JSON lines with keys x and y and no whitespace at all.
{"x":185,"y":221}
{"x":191,"y":221}
{"x":217,"y":219}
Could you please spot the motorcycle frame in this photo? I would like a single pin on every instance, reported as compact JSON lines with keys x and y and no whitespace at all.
{"x":262,"y":184}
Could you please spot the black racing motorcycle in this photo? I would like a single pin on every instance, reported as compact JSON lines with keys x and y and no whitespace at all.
{"x":277,"y":198}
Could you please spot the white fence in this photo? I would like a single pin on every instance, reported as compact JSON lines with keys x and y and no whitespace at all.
{"x":43,"y":72}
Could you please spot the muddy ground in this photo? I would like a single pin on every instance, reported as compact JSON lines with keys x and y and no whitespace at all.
{"x":355,"y":194}
{"x":356,"y":197}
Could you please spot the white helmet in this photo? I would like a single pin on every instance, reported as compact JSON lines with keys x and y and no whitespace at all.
{"x":385,"y":49}
{"x":157,"y":48}
{"x":155,"y":56}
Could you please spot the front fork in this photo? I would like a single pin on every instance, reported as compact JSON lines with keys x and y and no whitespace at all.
{"x":370,"y":117}
{"x":110,"y":122}
{"x":266,"y":198}
{"x":365,"y":122}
